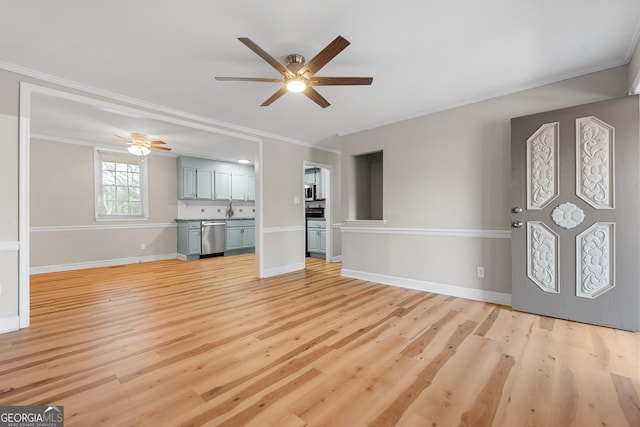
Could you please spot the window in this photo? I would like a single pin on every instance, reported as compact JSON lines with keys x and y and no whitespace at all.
{"x":121,"y":186}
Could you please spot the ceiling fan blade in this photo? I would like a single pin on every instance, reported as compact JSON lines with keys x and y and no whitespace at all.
{"x":264,"y":55}
{"x":340,"y":81}
{"x":324,"y":56}
{"x":248,"y":79}
{"x":156,"y":142}
{"x":316,"y":97}
{"x":155,"y":147}
{"x":123,"y":138}
{"x":275,"y":96}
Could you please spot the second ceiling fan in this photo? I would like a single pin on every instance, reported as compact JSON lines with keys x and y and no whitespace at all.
{"x":298,"y":76}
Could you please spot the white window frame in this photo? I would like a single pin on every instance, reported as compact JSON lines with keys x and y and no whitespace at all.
{"x":144,"y":185}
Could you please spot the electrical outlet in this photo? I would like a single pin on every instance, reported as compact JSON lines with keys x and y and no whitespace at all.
{"x":296,"y":200}
{"x":0,"y":288}
{"x":480,"y":272}
{"x":143,"y":246}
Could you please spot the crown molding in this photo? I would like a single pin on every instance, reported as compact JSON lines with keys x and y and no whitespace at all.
{"x":489,"y":95}
{"x":247,"y":133}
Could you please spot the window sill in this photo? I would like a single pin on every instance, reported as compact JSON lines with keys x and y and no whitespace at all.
{"x":122,"y":218}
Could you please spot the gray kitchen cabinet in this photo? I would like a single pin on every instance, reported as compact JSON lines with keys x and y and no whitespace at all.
{"x":241,"y":235}
{"x":187,"y":183}
{"x":320,"y":188}
{"x":204,"y":184}
{"x":206,"y":179}
{"x":309,"y":176}
{"x":316,"y":238}
{"x":189,"y":239}
{"x":222,"y":185}
{"x":238,"y":186}
{"x":251,"y":188}
{"x":243,"y":187}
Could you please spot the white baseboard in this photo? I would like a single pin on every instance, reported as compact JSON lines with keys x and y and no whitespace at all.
{"x":439,"y":288}
{"x":101,"y":263}
{"x":337,"y":258}
{"x":284,"y":269}
{"x":9,"y":324}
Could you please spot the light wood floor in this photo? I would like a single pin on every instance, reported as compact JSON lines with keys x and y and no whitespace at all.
{"x":204,"y":342}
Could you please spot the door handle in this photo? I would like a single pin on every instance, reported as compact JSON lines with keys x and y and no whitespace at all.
{"x":517,"y":209}
{"x":516,"y":224}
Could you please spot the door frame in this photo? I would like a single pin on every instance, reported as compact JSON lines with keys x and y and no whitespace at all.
{"x":129,"y":105}
{"x":327,"y":171}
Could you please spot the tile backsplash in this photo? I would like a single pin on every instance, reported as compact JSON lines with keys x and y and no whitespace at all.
{"x":210,"y":209}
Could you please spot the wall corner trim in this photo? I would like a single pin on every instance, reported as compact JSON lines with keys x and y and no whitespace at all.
{"x":439,"y":288}
{"x":9,"y":324}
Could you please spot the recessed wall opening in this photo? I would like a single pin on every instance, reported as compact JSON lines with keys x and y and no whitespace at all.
{"x":368,"y":186}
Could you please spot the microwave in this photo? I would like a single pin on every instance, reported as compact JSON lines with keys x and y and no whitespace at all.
{"x":309,"y":192}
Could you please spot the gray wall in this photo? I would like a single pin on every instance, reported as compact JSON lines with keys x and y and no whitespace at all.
{"x":447,"y":190}
{"x":283,"y":219}
{"x":64,"y":232}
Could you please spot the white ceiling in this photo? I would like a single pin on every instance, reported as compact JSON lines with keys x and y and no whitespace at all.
{"x":424,"y":56}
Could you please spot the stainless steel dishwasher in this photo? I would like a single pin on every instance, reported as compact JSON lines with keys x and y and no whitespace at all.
{"x":213,"y":238}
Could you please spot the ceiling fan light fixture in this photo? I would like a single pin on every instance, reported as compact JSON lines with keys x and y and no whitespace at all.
{"x":138,"y":150}
{"x":296,"y":85}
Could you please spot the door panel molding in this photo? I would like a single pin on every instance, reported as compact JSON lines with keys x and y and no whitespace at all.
{"x":595,"y":260}
{"x":542,"y":256}
{"x":542,"y":166}
{"x":595,"y":169}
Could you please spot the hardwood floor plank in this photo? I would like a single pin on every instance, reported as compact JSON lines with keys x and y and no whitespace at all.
{"x":206,"y":343}
{"x":483,"y":411}
{"x":627,"y":398}
{"x":395,"y":411}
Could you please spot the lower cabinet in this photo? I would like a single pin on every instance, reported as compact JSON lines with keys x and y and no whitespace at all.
{"x":316,"y":238}
{"x":241,"y":235}
{"x":189,"y":239}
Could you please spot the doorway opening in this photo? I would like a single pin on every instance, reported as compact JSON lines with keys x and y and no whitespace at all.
{"x":317,"y":212}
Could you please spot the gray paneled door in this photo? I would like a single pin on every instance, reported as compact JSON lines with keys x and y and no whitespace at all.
{"x":575,"y":195}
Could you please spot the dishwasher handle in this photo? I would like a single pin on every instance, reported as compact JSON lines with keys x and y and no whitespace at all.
{"x":211,"y":223}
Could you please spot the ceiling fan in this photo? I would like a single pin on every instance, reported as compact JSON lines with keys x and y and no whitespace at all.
{"x":140,"y":145}
{"x":298,"y":76}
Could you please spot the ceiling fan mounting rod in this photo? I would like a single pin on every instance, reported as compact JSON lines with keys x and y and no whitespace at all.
{"x":295,"y":62}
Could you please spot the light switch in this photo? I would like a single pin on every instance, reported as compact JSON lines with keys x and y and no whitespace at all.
{"x":296,"y":200}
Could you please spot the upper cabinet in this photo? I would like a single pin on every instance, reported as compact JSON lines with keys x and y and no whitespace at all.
{"x":204,"y":179}
{"x":222,"y":185}
{"x":204,"y":184}
{"x":243,"y":186}
{"x":186,"y":183}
